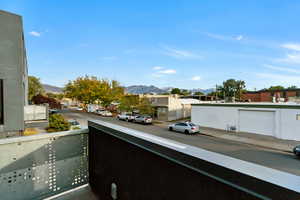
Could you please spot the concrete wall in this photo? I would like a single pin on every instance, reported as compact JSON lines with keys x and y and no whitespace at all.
{"x":175,"y":109}
{"x":13,"y":71}
{"x":286,"y":125}
{"x":35,"y":112}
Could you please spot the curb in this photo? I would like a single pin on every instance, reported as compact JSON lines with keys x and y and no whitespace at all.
{"x":246,"y":141}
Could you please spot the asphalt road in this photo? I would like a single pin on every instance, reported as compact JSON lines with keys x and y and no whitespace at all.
{"x":267,"y":157}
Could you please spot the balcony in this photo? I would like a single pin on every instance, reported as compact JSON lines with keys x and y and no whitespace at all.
{"x":107,"y":161}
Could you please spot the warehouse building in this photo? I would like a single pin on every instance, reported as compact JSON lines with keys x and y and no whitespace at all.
{"x":278,"y":120}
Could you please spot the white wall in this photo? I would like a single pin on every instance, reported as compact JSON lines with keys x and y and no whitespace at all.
{"x":290,"y":127}
{"x":214,"y":117}
{"x":286,"y":125}
{"x":35,"y":112}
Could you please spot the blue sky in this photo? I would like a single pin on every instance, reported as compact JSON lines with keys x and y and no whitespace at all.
{"x":186,"y":44}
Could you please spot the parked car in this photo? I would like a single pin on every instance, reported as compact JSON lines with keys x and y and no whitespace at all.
{"x":99,"y":111}
{"x":185,"y":127}
{"x":296,"y":150}
{"x":126,"y":116}
{"x":106,"y":113}
{"x":145,"y":119}
{"x":53,"y":111}
{"x":79,"y":109}
{"x":74,"y":124}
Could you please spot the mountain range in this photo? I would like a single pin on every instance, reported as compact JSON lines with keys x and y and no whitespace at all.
{"x":134,"y":89}
{"x":144,"y":89}
{"x":52,"y":89}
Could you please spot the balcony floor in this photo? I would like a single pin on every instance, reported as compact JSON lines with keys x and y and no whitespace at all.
{"x":83,"y":193}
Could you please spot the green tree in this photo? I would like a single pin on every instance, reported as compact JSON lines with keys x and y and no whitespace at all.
{"x":34,"y":87}
{"x":292,"y":87}
{"x":232,"y":88}
{"x":129,"y":103}
{"x":145,"y":107}
{"x":185,"y":92}
{"x":276,"y":87}
{"x":175,"y":91}
{"x":57,"y":123}
{"x":89,"y":90}
{"x":199,"y":93}
{"x":55,"y":96}
{"x":84,"y":89}
{"x":111,"y":91}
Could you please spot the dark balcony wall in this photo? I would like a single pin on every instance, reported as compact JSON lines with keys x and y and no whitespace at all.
{"x":144,"y":170}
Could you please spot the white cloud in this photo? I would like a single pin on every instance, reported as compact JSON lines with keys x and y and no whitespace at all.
{"x":292,"y":46}
{"x":224,"y":37}
{"x":196,"y":78}
{"x":167,"y":71}
{"x":35,"y":33}
{"x":283,"y":69}
{"x":290,"y":58}
{"x":180,"y":54}
{"x":239,"y":37}
{"x":157,"y":68}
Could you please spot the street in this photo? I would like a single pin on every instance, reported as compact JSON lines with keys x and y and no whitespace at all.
{"x":267,"y":157}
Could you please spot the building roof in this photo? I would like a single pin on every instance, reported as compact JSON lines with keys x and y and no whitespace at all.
{"x":189,"y":101}
{"x":266,"y":90}
{"x":253,"y":105}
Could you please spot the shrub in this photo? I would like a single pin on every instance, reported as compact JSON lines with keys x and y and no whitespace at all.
{"x":57,"y":123}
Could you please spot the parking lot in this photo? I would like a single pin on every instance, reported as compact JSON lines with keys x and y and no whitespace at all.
{"x":275,"y":159}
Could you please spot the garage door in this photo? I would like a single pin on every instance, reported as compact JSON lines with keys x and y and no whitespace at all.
{"x":260,"y":122}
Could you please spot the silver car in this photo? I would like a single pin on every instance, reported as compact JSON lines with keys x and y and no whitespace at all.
{"x":145,"y":119}
{"x":126,"y":116}
{"x":185,"y":127}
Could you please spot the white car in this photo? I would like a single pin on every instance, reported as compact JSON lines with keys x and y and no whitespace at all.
{"x":126,"y":116}
{"x":99,"y":111}
{"x":74,"y":124}
{"x":185,"y":127}
{"x":144,"y":119}
{"x":79,"y":109}
{"x":106,"y":113}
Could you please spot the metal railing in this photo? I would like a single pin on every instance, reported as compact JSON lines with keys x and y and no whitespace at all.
{"x":121,"y":163}
{"x":39,"y":166}
{"x":134,"y":165}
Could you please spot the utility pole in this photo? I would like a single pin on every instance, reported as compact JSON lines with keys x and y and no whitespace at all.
{"x":216,"y":93}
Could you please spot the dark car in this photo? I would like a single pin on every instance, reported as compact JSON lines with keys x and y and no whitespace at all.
{"x":296,"y":150}
{"x":53,"y":111}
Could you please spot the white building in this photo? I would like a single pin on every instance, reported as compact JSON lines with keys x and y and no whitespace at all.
{"x":170,"y":107}
{"x":278,"y":120}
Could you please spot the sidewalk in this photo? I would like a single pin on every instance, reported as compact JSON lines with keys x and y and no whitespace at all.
{"x":247,"y":138}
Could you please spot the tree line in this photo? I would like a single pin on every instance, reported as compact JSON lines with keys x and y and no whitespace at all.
{"x":92,"y":90}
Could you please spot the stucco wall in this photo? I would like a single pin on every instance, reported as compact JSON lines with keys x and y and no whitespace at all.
{"x":214,"y":117}
{"x":290,"y":126}
{"x":286,"y":125}
{"x":13,"y":71}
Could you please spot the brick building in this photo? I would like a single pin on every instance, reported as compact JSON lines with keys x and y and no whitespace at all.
{"x":272,"y":96}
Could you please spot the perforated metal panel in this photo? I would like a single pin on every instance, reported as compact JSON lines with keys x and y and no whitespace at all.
{"x":40,"y":166}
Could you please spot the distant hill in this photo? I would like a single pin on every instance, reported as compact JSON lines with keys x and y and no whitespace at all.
{"x":134,"y":89}
{"x":205,"y":91}
{"x":52,"y":89}
{"x":144,"y":89}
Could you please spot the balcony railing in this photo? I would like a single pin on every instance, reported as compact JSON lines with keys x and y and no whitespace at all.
{"x":121,"y":163}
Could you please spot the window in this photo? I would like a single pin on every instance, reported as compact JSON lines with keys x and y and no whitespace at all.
{"x":1,"y":103}
{"x":298,"y":117}
{"x":181,"y":124}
